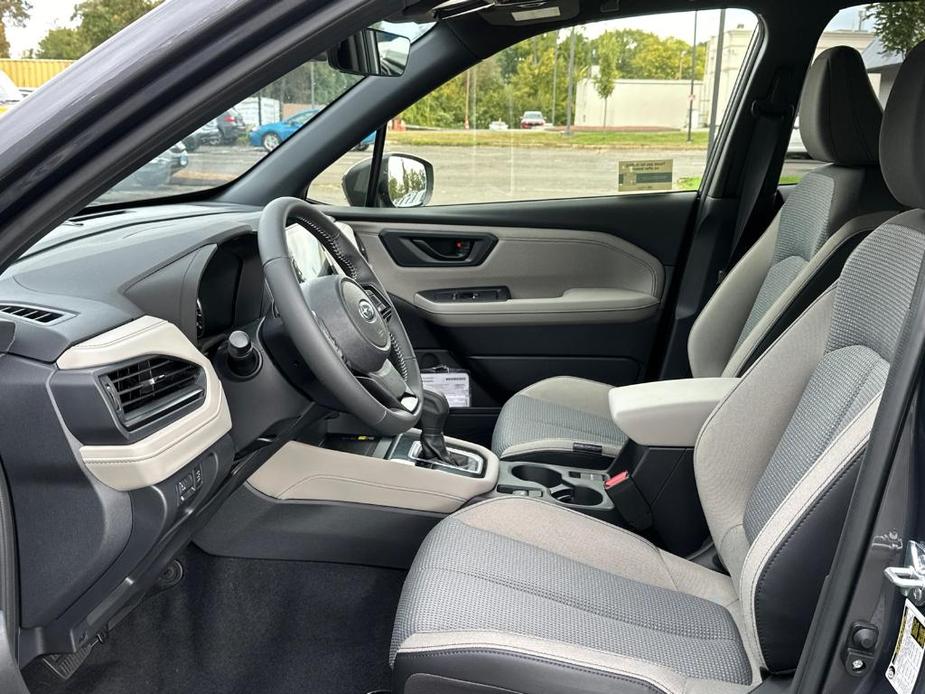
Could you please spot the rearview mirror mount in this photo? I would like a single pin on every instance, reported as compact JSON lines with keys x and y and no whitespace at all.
{"x":371,"y":52}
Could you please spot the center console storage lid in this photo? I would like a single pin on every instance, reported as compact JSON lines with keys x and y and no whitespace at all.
{"x":667,"y":413}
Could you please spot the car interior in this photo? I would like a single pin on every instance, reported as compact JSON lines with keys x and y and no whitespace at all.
{"x":257,"y":439}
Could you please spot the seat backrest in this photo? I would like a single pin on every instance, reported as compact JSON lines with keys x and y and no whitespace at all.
{"x":804,"y":248}
{"x":777,"y":461}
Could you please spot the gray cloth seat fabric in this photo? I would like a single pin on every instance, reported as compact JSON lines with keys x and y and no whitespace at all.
{"x":557,"y":417}
{"x":799,"y":255}
{"x":503,"y":574}
{"x":520,"y":595}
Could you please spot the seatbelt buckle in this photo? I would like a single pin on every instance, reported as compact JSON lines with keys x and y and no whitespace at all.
{"x":629,"y":501}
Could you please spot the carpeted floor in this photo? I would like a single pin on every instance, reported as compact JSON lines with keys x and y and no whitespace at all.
{"x":242,"y":625}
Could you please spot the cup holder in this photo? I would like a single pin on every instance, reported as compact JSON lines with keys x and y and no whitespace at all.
{"x":578,"y":496}
{"x":534,"y":473}
{"x":556,"y":486}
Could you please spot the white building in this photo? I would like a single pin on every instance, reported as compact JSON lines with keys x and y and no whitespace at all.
{"x":656,"y":104}
{"x":637,"y":104}
{"x":735,"y":48}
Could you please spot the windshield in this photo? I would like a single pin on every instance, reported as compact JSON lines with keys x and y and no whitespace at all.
{"x":222,"y":148}
{"x":226,"y":146}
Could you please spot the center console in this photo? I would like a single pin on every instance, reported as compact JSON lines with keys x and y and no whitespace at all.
{"x":343,"y":497}
{"x":420,"y":470}
{"x":649,"y":487}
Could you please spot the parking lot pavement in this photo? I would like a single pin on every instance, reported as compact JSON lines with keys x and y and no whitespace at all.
{"x":465,"y":174}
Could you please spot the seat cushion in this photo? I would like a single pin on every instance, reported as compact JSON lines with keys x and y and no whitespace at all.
{"x":504,"y":593}
{"x":558,"y":416}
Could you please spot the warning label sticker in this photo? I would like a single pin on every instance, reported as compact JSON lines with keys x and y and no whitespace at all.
{"x":453,"y":384}
{"x":904,"y":667}
{"x":645,"y":175}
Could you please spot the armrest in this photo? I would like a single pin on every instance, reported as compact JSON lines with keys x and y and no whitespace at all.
{"x":667,"y":413}
{"x":606,"y":305}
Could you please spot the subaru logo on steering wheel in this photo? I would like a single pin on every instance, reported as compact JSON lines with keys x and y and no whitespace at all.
{"x":367,"y":310}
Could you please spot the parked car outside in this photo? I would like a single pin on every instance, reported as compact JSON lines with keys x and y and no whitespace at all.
{"x":159,"y":170}
{"x":208,"y":134}
{"x":9,"y":94}
{"x":532,"y":119}
{"x":497,"y":125}
{"x":795,"y":148}
{"x":231,"y":125}
{"x":269,"y":136}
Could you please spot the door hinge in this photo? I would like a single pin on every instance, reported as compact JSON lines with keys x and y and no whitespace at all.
{"x":910,"y":579}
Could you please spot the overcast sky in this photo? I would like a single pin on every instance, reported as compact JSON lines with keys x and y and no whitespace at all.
{"x":48,"y":14}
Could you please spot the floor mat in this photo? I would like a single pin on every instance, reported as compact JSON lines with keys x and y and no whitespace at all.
{"x":243,"y":625}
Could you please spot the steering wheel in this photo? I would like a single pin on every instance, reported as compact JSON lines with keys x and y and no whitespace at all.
{"x":344,"y":327}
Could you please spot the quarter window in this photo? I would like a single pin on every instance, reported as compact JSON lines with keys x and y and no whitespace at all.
{"x":881,"y":33}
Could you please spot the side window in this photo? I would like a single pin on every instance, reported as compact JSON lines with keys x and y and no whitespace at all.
{"x":615,"y":107}
{"x":882,"y":33}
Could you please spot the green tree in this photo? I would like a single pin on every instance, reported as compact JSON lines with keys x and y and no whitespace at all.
{"x":900,"y":25}
{"x":657,"y":58}
{"x":607,"y":48}
{"x":15,"y":13}
{"x":532,"y":75}
{"x":316,"y":79}
{"x":96,"y":21}
{"x":63,"y":44}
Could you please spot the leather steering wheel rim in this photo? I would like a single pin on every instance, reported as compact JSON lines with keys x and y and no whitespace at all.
{"x":339,"y":338}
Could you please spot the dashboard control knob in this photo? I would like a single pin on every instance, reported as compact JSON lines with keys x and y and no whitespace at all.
{"x":243,"y":358}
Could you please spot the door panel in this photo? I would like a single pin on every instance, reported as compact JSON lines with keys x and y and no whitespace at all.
{"x":534,"y":277}
{"x":563,"y":287}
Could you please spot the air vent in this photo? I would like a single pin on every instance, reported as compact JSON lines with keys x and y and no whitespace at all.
{"x":37,"y":315}
{"x":153,"y":388}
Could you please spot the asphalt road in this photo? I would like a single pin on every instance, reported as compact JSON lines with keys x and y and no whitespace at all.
{"x":462,"y":174}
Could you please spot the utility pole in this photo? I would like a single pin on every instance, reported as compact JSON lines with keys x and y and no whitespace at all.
{"x":311,"y":77}
{"x":555,"y":75}
{"x":571,"y":84}
{"x":717,"y":75}
{"x":475,"y":98}
{"x":468,"y":84}
{"x":690,"y":106}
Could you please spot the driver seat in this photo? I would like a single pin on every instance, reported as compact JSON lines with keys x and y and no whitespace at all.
{"x":566,"y":420}
{"x":521,"y":595}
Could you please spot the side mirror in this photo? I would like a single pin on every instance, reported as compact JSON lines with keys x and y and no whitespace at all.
{"x":404,"y":181}
{"x":371,"y":52}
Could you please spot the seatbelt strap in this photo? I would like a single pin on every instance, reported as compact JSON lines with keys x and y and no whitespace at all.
{"x":770,"y":114}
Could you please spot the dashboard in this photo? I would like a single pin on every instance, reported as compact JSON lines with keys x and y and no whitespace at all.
{"x":114,"y":332}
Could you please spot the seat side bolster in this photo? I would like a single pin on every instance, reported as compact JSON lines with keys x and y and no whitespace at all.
{"x":554,"y":529}
{"x":820,"y":272}
{"x":576,"y":393}
{"x":495,"y":659}
{"x":716,"y":330}
{"x":787,"y":543}
{"x":554,"y":414}
{"x":732,"y":452}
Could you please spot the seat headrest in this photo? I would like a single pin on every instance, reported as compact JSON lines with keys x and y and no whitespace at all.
{"x":902,"y":141}
{"x":840,"y":115}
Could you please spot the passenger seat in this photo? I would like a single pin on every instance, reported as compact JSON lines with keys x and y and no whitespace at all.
{"x":567,"y":420}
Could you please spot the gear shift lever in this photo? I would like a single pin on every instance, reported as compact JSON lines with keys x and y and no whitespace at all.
{"x":434,"y":412}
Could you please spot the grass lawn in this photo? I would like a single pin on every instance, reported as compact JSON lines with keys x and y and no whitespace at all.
{"x":675,"y":139}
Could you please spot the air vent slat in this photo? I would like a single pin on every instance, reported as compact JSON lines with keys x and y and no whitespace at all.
{"x":163,"y":370}
{"x":153,"y":388}
{"x":32,"y":313}
{"x":130,"y":403}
